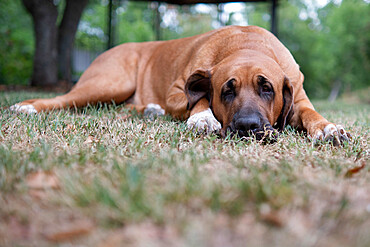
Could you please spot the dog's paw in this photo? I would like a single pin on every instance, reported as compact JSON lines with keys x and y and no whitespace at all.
{"x":204,"y":122}
{"x":153,"y":110}
{"x":332,"y":133}
{"x":23,"y":108}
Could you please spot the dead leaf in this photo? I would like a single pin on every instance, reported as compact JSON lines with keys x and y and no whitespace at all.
{"x":273,"y":218}
{"x":354,"y":170}
{"x":42,"y":180}
{"x":270,"y":216}
{"x":69,"y":231}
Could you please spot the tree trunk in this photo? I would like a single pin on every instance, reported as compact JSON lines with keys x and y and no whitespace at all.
{"x":44,"y":14}
{"x":66,"y":36}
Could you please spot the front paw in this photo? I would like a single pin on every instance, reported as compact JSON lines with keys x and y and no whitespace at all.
{"x":23,"y":108}
{"x":203,"y":122}
{"x":153,"y":110}
{"x":332,"y":133}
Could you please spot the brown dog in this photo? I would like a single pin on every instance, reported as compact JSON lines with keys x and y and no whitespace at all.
{"x":237,"y":79}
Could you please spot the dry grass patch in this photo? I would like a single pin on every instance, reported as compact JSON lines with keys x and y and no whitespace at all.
{"x":125,"y":180}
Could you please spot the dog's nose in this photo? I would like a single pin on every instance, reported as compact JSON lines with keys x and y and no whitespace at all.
{"x":250,"y":122}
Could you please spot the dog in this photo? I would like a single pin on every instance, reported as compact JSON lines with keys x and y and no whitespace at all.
{"x":236,"y":79}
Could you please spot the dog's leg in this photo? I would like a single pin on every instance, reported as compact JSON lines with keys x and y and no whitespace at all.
{"x":91,"y":92}
{"x":199,"y":119}
{"x":316,"y":125}
{"x":111,"y":77}
{"x":176,"y":101}
{"x":202,"y":119}
{"x":101,"y":88}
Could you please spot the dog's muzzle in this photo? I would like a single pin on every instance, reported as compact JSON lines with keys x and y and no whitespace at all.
{"x":251,"y":124}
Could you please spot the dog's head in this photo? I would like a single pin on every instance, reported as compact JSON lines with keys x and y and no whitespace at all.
{"x":248,"y":94}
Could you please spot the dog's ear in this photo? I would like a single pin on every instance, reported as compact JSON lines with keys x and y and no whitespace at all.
{"x":287,"y":110}
{"x":198,"y":86}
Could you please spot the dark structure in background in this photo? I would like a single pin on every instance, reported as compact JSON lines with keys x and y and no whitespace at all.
{"x":112,"y":18}
{"x":54,"y":44}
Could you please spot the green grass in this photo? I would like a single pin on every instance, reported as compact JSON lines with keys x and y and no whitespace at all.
{"x":154,"y":183}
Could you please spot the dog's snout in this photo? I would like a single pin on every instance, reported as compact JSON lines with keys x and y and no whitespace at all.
{"x":247,"y":123}
{"x":250,"y":122}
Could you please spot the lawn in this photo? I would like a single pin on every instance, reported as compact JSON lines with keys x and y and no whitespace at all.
{"x":102,"y":176}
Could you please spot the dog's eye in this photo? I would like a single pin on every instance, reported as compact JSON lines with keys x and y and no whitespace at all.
{"x":266,"y":91}
{"x":228,"y":92}
{"x":228,"y":95}
{"x":266,"y":88}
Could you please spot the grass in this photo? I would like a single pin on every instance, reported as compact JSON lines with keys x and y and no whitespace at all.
{"x":154,"y":183}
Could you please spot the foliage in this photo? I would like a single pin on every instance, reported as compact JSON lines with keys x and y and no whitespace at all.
{"x":91,"y":30}
{"x":188,"y":22}
{"x":332,"y":48}
{"x":16,"y":43}
{"x":345,"y":46}
{"x":258,"y":14}
{"x":134,"y":24}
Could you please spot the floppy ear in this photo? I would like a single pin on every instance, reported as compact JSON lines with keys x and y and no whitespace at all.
{"x":287,"y":111}
{"x":198,"y":86}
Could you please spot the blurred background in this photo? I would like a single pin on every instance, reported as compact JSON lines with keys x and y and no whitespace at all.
{"x":46,"y":43}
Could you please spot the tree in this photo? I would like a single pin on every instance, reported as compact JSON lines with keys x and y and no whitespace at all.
{"x":330,"y":43}
{"x":53,"y":44}
{"x":66,"y":35}
{"x":346,"y":44}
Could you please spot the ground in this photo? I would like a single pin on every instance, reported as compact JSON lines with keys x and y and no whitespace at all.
{"x":101,"y":176}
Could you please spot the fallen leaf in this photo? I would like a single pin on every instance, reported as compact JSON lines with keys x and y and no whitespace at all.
{"x":42,"y":180}
{"x":69,"y":231}
{"x":273,"y":218}
{"x":354,"y":170}
{"x":270,"y":216}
